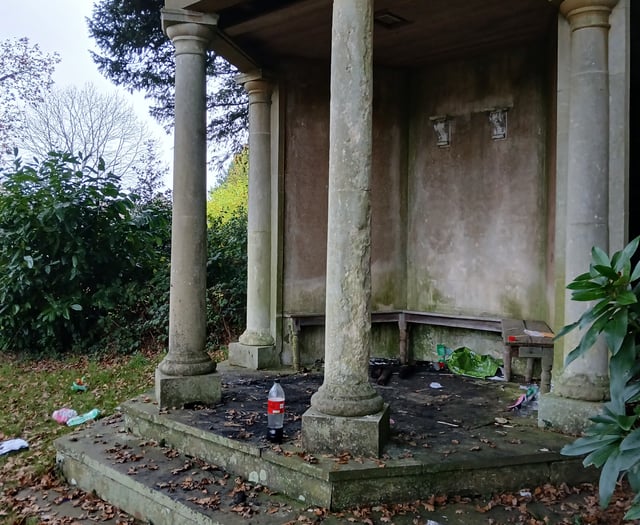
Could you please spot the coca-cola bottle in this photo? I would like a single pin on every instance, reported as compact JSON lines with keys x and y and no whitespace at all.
{"x":275,"y":413}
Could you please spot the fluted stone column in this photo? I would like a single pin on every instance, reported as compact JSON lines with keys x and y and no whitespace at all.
{"x":186,"y":373}
{"x":256,"y":348}
{"x":587,"y":198}
{"x":347,"y":413}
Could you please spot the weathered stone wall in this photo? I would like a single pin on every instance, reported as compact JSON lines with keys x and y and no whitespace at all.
{"x":462,"y":229}
{"x":478,"y":208}
{"x":306,"y":180}
{"x":305,"y":88}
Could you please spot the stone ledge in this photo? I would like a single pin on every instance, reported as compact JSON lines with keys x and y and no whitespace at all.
{"x":337,"y":486}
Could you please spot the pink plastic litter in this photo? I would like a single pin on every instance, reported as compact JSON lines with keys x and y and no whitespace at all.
{"x":62,"y":415}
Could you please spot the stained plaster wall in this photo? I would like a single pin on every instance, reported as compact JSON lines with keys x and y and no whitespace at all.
{"x":478,"y":208}
{"x":458,"y":230}
{"x":306,"y":188}
{"x":478,"y":215}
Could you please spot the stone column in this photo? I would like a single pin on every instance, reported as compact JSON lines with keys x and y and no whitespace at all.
{"x":587,"y":201}
{"x":186,"y":373}
{"x":346,"y":391}
{"x":256,"y":345}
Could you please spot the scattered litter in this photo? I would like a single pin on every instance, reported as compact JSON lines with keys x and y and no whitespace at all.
{"x":499,"y":375}
{"x":79,"y":385}
{"x":62,"y":415}
{"x":448,"y":424}
{"x":431,"y":522}
{"x":435,"y":385}
{"x":535,"y":333}
{"x":466,"y":362}
{"x":501,"y":420}
{"x":526,"y":398}
{"x":383,"y":361}
{"x":525,"y":493}
{"x":443,"y":354}
{"x":12,"y":444}
{"x":544,"y":450}
{"x":88,"y":416}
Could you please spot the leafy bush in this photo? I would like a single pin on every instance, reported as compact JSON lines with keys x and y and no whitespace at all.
{"x":227,"y":253}
{"x":231,"y":195}
{"x":74,"y":248}
{"x":86,"y":266}
{"x":226,"y":277}
{"x":612,"y":443}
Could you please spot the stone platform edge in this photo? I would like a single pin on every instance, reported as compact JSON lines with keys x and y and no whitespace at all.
{"x":325,"y":483}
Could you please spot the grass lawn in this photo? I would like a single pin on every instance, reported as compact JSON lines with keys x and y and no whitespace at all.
{"x":31,"y":390}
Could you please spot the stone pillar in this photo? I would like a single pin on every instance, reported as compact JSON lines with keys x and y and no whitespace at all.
{"x":255,"y":348}
{"x":587,"y":204}
{"x":186,"y":374}
{"x":347,"y":413}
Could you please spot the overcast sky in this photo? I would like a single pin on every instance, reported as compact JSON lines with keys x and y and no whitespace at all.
{"x":60,"y":26}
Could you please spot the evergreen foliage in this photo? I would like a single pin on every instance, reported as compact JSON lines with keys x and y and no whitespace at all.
{"x":227,"y":251}
{"x":77,"y":254}
{"x":231,"y":196}
{"x":226,"y":278}
{"x":86,"y":265}
{"x":135,"y":53}
{"x":612,"y":442}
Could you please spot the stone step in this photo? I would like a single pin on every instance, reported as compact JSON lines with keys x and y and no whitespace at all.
{"x":160,"y":485}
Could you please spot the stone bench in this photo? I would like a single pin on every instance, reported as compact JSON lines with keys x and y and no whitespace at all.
{"x":515,"y":336}
{"x":403,"y":318}
{"x":532,"y":340}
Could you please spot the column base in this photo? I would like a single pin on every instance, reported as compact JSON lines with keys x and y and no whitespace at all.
{"x":253,"y":357}
{"x":361,"y":436}
{"x":562,"y":414}
{"x":255,"y":338}
{"x":178,"y":391}
{"x":587,"y":387}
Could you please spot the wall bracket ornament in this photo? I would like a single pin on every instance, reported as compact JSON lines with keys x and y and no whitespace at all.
{"x":442,"y":128}
{"x":498,"y":122}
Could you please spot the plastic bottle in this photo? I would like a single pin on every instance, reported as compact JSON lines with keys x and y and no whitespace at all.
{"x":275,"y":413}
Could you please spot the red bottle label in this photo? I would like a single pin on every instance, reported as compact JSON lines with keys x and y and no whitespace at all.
{"x":275,"y":406}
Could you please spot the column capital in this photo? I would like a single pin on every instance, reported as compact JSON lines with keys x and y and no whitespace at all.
{"x":189,"y":31}
{"x":258,"y":90}
{"x":257,"y":84}
{"x":172,"y":17}
{"x":587,"y":13}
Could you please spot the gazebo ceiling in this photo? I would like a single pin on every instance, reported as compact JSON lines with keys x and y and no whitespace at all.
{"x":407,"y":32}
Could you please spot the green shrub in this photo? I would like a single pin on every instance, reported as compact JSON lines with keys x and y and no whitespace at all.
{"x":74,"y":249}
{"x":226,"y":278}
{"x":86,"y":266}
{"x":612,"y":442}
{"x":231,"y":196}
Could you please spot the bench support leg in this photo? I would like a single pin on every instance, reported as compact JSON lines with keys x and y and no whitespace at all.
{"x":529,"y":371}
{"x":507,"y":363}
{"x":545,"y":376}
{"x":402,"y":327}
